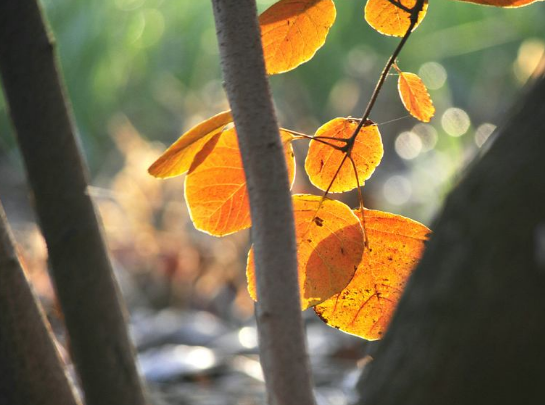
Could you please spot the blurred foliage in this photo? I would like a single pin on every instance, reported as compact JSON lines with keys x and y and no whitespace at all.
{"x":157,"y":63}
{"x":141,"y":72}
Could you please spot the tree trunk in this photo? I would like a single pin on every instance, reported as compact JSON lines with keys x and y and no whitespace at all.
{"x":470,"y":328}
{"x":80,"y":266}
{"x":282,"y":343}
{"x":31,"y":372}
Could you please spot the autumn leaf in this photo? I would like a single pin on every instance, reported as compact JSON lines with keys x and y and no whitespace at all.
{"x":293,"y":30}
{"x":415,"y":97}
{"x":215,"y":187}
{"x":389,"y":19}
{"x":365,"y":306}
{"x":178,"y":157}
{"x":329,"y":248}
{"x":323,"y":161}
{"x":502,"y":3}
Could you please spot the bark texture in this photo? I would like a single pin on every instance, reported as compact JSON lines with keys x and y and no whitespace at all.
{"x":282,"y":343}
{"x":470,"y":328}
{"x":80,"y":266}
{"x":31,"y":371}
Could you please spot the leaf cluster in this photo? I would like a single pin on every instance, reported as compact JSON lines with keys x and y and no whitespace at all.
{"x":352,"y":264}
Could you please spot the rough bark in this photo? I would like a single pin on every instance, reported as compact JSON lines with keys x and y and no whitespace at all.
{"x":80,"y":266}
{"x":282,"y":344}
{"x":470,"y":328}
{"x":31,"y":371}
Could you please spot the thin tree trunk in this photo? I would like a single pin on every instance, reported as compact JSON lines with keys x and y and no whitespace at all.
{"x":282,"y":343}
{"x":470,"y":328}
{"x":80,"y":266}
{"x":31,"y":371}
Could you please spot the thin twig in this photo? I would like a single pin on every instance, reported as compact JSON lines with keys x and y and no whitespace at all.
{"x":415,"y":11}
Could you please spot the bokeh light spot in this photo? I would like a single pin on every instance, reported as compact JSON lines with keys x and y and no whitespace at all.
{"x":483,"y":132}
{"x":530,"y":54}
{"x":455,"y":122}
{"x":427,"y":134}
{"x":433,"y":75}
{"x":154,"y":27}
{"x":408,"y":145}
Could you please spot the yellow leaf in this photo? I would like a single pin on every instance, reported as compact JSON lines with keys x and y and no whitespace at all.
{"x":389,"y":19}
{"x":329,"y":248}
{"x":215,"y":187}
{"x":415,"y":97}
{"x":323,"y":161}
{"x":365,"y":306}
{"x":178,"y":157}
{"x":293,"y":30}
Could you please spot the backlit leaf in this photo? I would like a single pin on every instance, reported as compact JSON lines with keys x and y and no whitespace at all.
{"x":389,"y":19}
{"x":503,"y":3}
{"x":365,"y":306}
{"x":215,"y":187}
{"x":415,"y":97}
{"x":323,"y":161}
{"x":178,"y":157}
{"x":293,"y":30}
{"x":329,"y":248}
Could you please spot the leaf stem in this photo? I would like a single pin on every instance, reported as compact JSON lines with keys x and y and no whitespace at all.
{"x":346,"y":156}
{"x":319,"y":138}
{"x":360,"y":200}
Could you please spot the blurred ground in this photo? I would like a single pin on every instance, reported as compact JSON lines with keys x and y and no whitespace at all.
{"x":140,"y":72}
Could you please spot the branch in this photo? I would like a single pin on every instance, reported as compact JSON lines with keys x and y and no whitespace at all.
{"x":31,"y":371}
{"x":282,"y":343}
{"x":80,"y":266}
{"x":414,"y":13}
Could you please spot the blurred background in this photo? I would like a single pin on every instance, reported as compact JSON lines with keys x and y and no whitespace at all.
{"x":141,"y":72}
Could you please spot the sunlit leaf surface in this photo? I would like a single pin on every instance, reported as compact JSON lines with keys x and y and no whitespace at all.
{"x":293,"y":30}
{"x":415,"y":97}
{"x":329,"y":248}
{"x":215,"y":187}
{"x":178,"y":157}
{"x":323,"y":161}
{"x":389,"y":19}
{"x":365,"y":306}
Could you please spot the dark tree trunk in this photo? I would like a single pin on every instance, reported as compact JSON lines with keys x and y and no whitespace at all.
{"x":31,"y":372}
{"x":470,"y":328}
{"x":80,"y":265}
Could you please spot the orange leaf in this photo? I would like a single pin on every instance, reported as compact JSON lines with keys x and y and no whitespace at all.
{"x":389,"y":19}
{"x":323,"y":161}
{"x":178,"y":157}
{"x":503,"y":3}
{"x":329,"y":248}
{"x":365,"y":306}
{"x":415,"y":97}
{"x":293,"y":30}
{"x":215,"y":187}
